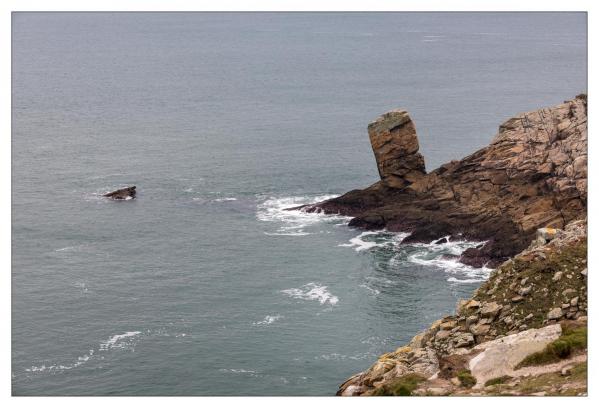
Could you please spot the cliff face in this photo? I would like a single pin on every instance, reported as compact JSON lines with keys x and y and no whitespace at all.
{"x":532,"y":175}
{"x":523,"y":332}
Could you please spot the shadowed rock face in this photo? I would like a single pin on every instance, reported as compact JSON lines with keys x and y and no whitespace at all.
{"x":532,"y":175}
{"x":122,"y":194}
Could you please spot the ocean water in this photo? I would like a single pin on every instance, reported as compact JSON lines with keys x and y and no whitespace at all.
{"x":203,"y":285}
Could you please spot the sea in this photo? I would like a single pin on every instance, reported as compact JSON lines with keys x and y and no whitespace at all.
{"x":204,"y":284}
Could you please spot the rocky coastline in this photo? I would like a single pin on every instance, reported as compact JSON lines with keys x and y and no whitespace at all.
{"x":532,"y":175}
{"x":523,"y":332}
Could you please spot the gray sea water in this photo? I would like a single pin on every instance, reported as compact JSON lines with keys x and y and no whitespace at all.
{"x":203,"y":285}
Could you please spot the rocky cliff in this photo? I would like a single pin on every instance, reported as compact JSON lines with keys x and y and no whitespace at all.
{"x":525,"y":194}
{"x":522,"y":333}
{"x":532,"y":175}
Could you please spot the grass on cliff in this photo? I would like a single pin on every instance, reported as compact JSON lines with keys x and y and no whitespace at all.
{"x":546,"y":293}
{"x":466,"y":379}
{"x":570,"y":341}
{"x":403,"y":386}
{"x":498,"y":380}
{"x":552,"y":383}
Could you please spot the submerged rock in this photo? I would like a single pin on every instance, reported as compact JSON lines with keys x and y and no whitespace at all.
{"x":122,"y":194}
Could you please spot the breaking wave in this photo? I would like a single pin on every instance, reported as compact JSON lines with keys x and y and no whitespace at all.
{"x":442,"y":253}
{"x":375,"y":239}
{"x":295,"y":222}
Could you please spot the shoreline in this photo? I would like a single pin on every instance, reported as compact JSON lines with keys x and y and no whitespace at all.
{"x":525,"y":195}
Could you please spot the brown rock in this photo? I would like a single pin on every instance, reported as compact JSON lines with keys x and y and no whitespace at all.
{"x":480,"y":329}
{"x":395,"y":145}
{"x":531,"y":176}
{"x":490,"y":310}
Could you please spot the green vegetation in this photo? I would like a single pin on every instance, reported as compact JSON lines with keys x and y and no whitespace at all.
{"x":499,"y":380}
{"x":403,"y":386}
{"x":504,"y":283}
{"x":466,"y":379}
{"x":570,"y":341}
{"x":552,"y":381}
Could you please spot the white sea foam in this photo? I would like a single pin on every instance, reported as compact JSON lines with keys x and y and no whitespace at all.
{"x":252,"y":373}
{"x":289,"y":234}
{"x":268,"y":320}
{"x":371,"y":290}
{"x":61,"y":367}
{"x":295,"y":222}
{"x":375,"y":239}
{"x":119,"y":340}
{"x":446,"y":256}
{"x":225,"y":199}
{"x":69,"y":248}
{"x":472,"y":280}
{"x":82,"y":286}
{"x":313,"y":291}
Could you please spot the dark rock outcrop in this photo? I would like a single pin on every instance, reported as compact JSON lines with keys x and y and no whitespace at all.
{"x":122,"y":194}
{"x":532,"y":175}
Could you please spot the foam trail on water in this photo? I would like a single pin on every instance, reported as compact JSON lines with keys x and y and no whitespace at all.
{"x":116,"y":341}
{"x":312,"y":291}
{"x":268,"y":320}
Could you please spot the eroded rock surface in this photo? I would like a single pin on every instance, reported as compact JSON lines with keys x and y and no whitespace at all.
{"x":532,"y":175}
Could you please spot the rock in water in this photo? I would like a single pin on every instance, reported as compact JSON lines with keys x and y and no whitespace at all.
{"x":395,"y":145}
{"x":122,"y":194}
{"x":532,"y":175}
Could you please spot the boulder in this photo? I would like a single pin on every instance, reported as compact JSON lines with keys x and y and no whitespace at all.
{"x":480,"y":329}
{"x":499,"y":357}
{"x":490,"y":310}
{"x":555,"y":313}
{"x":126,"y":193}
{"x":544,"y":235}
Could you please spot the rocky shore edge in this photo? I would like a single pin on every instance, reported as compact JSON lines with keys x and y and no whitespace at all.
{"x":532,"y":175}
{"x":524,"y":330}
{"x":522,"y":333}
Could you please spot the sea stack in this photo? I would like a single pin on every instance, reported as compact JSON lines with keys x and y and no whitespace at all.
{"x":122,"y":194}
{"x":395,"y":145}
{"x":532,"y":175}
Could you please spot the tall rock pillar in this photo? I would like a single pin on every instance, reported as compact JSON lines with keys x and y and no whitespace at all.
{"x":395,"y":145}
